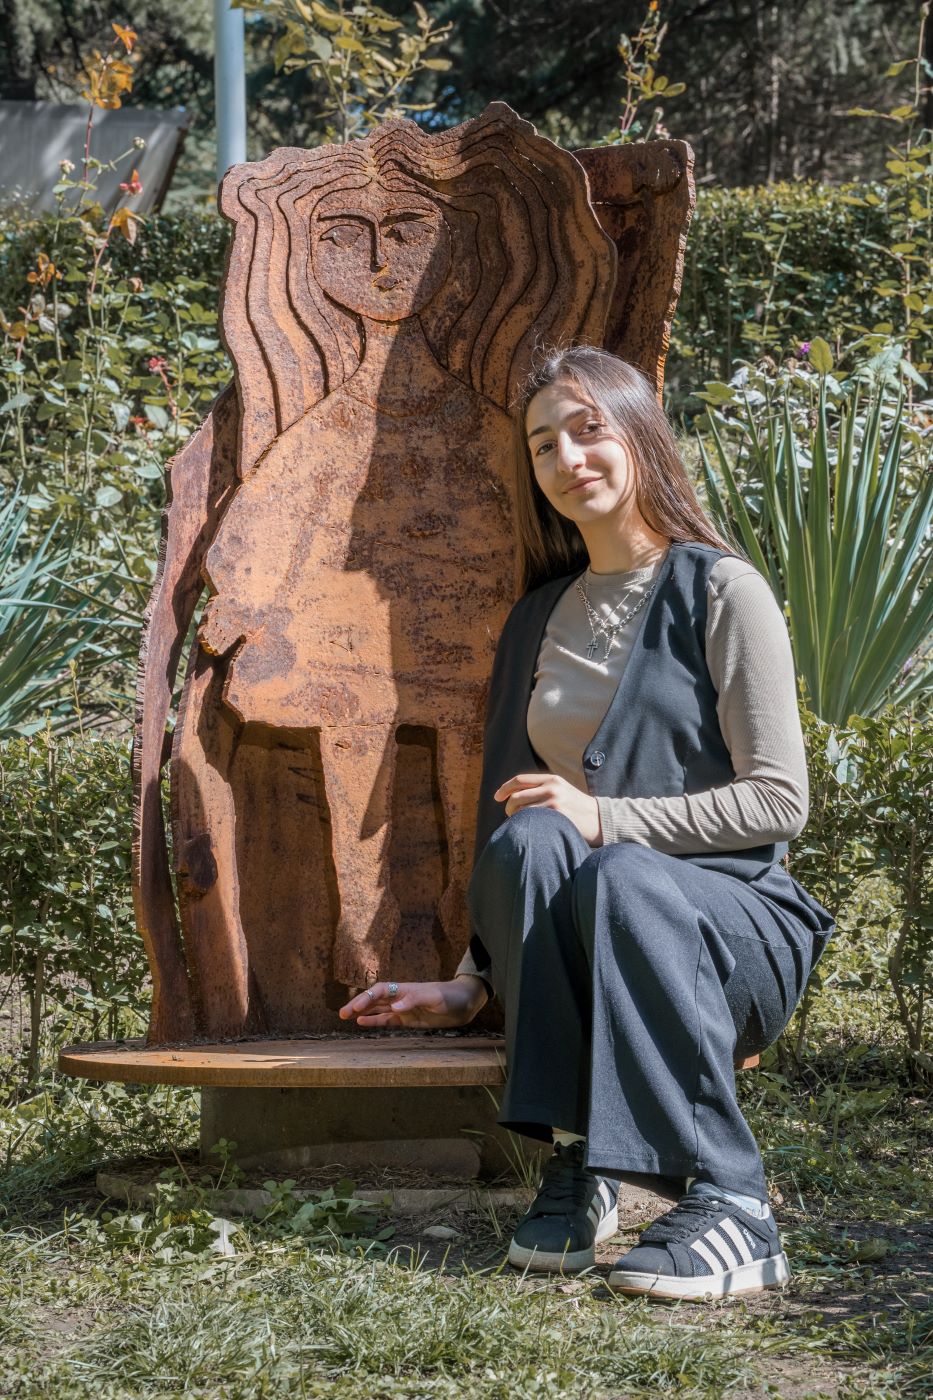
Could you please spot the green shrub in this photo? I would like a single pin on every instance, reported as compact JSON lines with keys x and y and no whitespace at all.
{"x":871,"y":793}
{"x":66,"y":918}
{"x":105,"y":371}
{"x":768,"y":268}
{"x":169,"y":246}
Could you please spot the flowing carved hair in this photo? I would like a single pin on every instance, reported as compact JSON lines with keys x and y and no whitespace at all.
{"x":551,"y":545}
{"x":530,"y":261}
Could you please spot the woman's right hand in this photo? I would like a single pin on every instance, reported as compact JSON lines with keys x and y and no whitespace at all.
{"x":419,"y":1005}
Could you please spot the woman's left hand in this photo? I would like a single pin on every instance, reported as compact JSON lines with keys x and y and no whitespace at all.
{"x":547,"y":790}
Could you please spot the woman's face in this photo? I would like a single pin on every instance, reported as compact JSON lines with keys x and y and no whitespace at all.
{"x":381,"y":256}
{"x":580,"y":463}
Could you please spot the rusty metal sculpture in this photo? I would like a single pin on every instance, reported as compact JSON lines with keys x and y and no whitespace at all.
{"x":349,"y":511}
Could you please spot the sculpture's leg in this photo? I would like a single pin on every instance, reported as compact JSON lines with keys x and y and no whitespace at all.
{"x":204,"y":828}
{"x":359,"y":768}
{"x":459,"y":770}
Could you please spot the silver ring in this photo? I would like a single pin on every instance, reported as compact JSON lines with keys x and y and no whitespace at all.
{"x":369,"y":994}
{"x":393,"y":989}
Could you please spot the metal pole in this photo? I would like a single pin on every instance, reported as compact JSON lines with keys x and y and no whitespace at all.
{"x":229,"y":86}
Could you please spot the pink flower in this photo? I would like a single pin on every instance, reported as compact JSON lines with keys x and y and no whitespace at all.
{"x":803,"y":349}
{"x":133,"y":185}
{"x":157,"y":364}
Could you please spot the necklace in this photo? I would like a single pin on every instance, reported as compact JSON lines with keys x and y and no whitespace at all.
{"x":602,"y":629}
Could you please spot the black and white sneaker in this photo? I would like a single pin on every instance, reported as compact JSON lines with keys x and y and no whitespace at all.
{"x":573,"y":1212}
{"x":706,"y":1247}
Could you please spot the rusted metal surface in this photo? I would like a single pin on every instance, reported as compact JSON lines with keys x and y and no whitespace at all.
{"x":643,"y":196}
{"x":350,"y":515}
{"x":198,"y":485}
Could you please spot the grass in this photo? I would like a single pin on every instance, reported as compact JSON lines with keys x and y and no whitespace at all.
{"x":321,"y":1299}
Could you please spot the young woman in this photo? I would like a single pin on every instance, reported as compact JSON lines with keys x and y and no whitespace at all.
{"x":643,"y":770}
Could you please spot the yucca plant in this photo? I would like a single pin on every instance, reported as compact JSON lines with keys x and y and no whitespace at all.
{"x":852,"y":566}
{"x":49,"y":626}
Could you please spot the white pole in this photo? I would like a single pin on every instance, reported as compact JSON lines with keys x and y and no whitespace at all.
{"x":229,"y":86}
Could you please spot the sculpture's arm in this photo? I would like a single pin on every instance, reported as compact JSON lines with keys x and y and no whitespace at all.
{"x":200,"y":481}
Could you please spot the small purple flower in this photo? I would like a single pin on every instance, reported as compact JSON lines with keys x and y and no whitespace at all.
{"x":803,"y":349}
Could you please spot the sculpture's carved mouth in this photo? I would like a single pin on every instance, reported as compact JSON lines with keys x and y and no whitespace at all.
{"x":386,"y":284}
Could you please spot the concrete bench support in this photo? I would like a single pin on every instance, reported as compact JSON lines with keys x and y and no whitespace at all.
{"x":442,"y":1131}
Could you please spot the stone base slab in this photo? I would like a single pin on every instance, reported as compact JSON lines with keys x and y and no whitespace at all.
{"x":442,"y":1131}
{"x":405,"y":1200}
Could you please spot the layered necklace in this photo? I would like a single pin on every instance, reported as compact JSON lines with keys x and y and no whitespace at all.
{"x":603,"y":630}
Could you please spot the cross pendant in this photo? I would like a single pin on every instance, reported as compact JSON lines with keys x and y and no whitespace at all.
{"x":591,"y":650}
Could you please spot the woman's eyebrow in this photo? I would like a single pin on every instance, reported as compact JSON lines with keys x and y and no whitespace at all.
{"x":574,"y":413}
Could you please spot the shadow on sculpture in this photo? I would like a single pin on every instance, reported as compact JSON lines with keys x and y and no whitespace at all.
{"x":348,"y":509}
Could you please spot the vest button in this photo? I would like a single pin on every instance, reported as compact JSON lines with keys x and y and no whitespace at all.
{"x":596,"y":759}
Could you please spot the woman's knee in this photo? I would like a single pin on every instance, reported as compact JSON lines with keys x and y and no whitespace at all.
{"x":535,"y":844}
{"x":541,"y":826}
{"x":628,"y":869}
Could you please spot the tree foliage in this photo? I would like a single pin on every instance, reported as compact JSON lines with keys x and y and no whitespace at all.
{"x":767,"y":84}
{"x":365,"y":60}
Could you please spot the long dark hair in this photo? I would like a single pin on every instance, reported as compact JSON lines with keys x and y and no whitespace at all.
{"x":549,"y":543}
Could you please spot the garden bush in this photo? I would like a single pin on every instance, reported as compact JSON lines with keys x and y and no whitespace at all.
{"x":67,"y":935}
{"x":769,"y":268}
{"x":871,"y":794}
{"x":105,"y":371}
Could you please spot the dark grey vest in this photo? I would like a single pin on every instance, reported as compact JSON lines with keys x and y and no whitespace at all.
{"x":660,"y":736}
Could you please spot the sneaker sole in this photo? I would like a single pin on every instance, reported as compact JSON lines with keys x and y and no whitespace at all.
{"x":570,"y":1261}
{"x":773,"y":1272}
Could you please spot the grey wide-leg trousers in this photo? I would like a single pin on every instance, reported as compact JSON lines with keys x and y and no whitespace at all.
{"x":629,"y":979}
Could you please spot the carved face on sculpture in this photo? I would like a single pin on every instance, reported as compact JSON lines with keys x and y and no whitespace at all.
{"x":484,"y":232}
{"x":381,"y":254}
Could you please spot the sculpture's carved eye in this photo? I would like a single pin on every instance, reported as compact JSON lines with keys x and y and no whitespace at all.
{"x":409,"y":231}
{"x":344,"y":235}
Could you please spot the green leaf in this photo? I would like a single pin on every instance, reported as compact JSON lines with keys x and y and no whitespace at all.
{"x":320,"y":45}
{"x":17,"y":401}
{"x":107,"y":496}
{"x":157,"y":415}
{"x":820,"y":355}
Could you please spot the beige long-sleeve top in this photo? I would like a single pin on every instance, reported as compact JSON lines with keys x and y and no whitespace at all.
{"x":749,"y":658}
